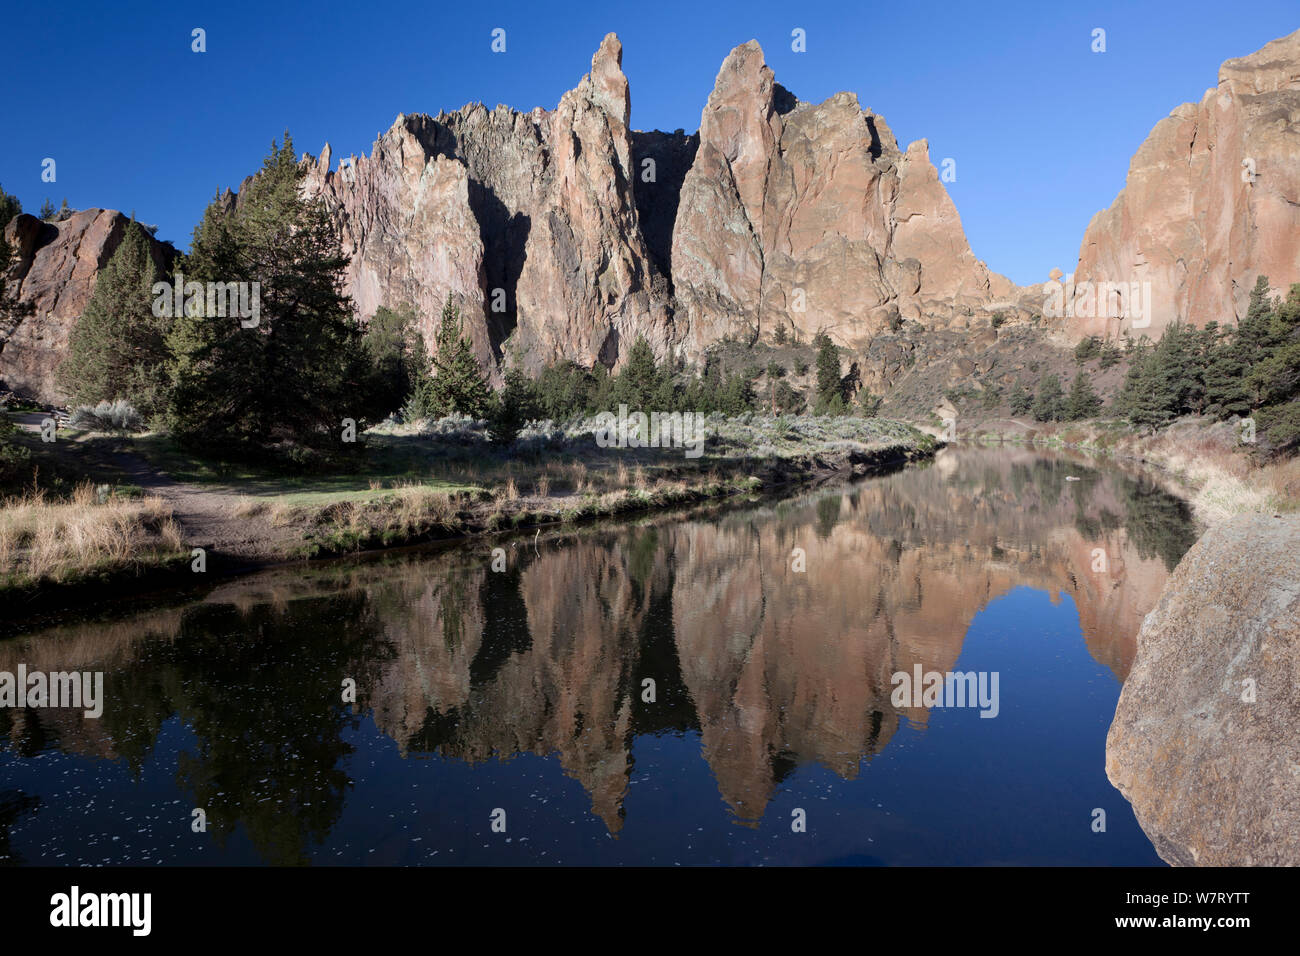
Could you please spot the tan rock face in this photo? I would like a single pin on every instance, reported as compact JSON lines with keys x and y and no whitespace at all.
{"x":775,"y":212}
{"x":405,"y":220}
{"x":49,"y":285}
{"x":527,"y":220}
{"x":1206,"y":738}
{"x":809,"y":216}
{"x":1212,"y":201}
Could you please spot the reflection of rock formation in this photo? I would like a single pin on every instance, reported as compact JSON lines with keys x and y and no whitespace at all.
{"x":773,"y":666}
{"x":537,"y":659}
{"x":796,"y":666}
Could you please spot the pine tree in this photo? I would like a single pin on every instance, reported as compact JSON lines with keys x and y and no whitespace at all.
{"x":1083,"y":401}
{"x":511,"y":408}
{"x":456,"y":385}
{"x":1021,"y":400}
{"x":1048,"y":405}
{"x":118,"y":346}
{"x":1225,"y":395}
{"x":396,"y":357}
{"x":1142,"y":397}
{"x":1275,"y":379}
{"x":9,"y":208}
{"x":13,"y":457}
{"x":830,"y":386}
{"x":289,"y":381}
{"x":638,"y":383}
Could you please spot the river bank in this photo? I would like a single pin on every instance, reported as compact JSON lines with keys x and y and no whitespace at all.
{"x":1204,"y":461}
{"x":144,"y":519}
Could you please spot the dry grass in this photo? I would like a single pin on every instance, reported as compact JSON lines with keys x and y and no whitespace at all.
{"x":246,"y":507}
{"x":543,"y":486}
{"x":411,"y":512}
{"x":61,"y":540}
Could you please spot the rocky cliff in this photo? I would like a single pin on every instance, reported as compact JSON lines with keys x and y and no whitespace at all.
{"x":810,"y":216}
{"x":1212,"y":200}
{"x":48,"y":286}
{"x":528,"y":221}
{"x":564,"y":234}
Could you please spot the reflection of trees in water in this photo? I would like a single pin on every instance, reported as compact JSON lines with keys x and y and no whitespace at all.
{"x":261,"y":692}
{"x":1158,"y":524}
{"x":14,"y":805}
{"x":828,"y":513}
{"x":505,"y":624}
{"x":32,"y":736}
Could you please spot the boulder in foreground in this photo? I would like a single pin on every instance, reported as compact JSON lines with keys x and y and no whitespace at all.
{"x":1206,"y":738}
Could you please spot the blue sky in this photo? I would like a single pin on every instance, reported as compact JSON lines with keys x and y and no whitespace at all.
{"x":1041,"y":128}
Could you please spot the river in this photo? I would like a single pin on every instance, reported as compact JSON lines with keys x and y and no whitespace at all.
{"x":718,"y":686}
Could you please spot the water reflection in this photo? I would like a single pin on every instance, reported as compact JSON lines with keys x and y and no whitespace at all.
{"x":590,"y":643}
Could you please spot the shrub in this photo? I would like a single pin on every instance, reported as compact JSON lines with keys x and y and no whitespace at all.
{"x":118,"y":415}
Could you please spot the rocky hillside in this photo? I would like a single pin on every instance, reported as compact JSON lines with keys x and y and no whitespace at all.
{"x":565,"y":234}
{"x":1212,"y":200}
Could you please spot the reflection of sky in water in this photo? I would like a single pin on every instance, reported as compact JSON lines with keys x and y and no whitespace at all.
{"x":237,"y":707}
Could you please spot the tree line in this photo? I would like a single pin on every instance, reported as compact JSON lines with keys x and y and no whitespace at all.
{"x":1248,"y":370}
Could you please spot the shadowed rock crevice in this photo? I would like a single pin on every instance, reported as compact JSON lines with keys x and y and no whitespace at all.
{"x":504,"y":236}
{"x":657,"y":201}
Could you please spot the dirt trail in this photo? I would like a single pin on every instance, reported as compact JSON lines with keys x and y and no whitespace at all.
{"x":207,"y":516}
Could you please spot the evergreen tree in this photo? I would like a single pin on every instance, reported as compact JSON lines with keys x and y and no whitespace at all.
{"x":13,"y":457}
{"x":1089,"y":347}
{"x":563,"y":391}
{"x":289,"y":381}
{"x":1225,"y":393}
{"x":1021,"y":400}
{"x":457,"y":384}
{"x":511,"y":408}
{"x":1048,"y":404}
{"x":830,"y":386}
{"x":118,"y":347}
{"x":9,"y":208}
{"x":396,"y":358}
{"x":1142,"y":398}
{"x":1083,"y":401}
{"x":639,"y":383}
{"x":1275,"y":378}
